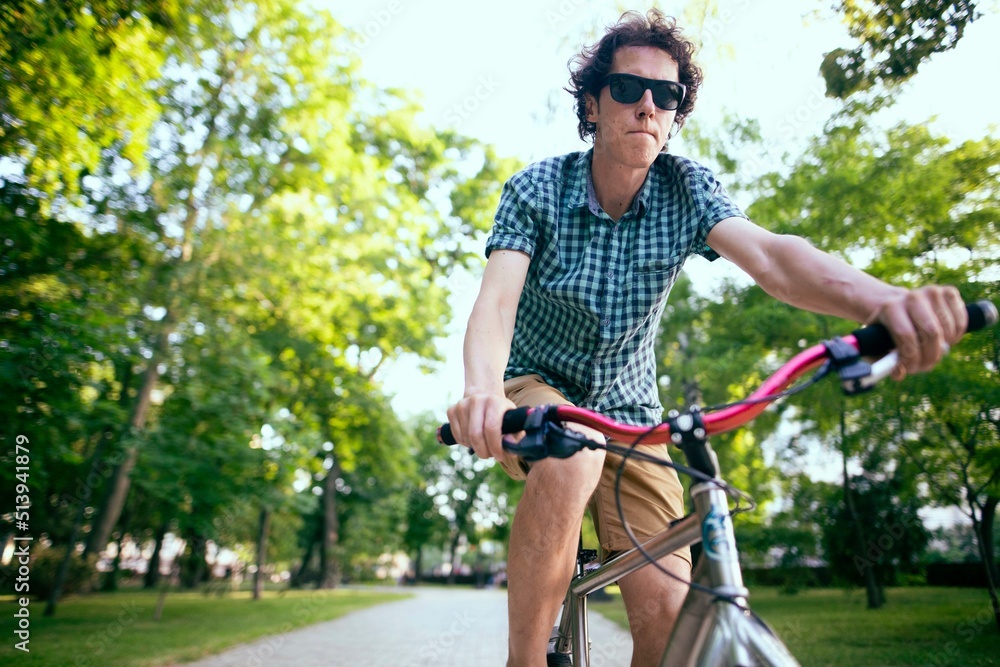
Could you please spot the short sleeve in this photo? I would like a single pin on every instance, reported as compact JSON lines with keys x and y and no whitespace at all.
{"x":715,"y":206}
{"x":514,"y":227}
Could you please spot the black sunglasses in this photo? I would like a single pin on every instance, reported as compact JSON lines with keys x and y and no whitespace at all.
{"x":628,"y":89}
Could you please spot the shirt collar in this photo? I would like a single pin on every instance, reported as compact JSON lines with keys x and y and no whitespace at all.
{"x":582,"y":188}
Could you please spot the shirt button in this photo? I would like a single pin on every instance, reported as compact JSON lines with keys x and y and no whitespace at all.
{"x":607,"y":323}
{"x":610,"y":275}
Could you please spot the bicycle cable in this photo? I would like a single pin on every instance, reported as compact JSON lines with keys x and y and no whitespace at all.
{"x":737,"y":494}
{"x":631,"y":451}
{"x":821,"y":373}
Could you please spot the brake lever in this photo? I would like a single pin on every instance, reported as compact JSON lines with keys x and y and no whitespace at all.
{"x":549,"y":441}
{"x":855,"y":373}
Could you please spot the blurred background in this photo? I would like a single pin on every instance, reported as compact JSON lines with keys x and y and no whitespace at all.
{"x":240,"y":241}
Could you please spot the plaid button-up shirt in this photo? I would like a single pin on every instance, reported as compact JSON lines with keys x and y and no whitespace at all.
{"x":595,"y":290}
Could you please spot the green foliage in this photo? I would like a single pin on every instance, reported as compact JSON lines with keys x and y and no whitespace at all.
{"x":75,"y":81}
{"x":956,"y":544}
{"x":228,"y":209}
{"x":895,"y":37}
{"x":911,"y":208}
{"x":425,"y":524}
{"x":918,"y":210}
{"x":895,"y":536}
{"x":793,"y":535}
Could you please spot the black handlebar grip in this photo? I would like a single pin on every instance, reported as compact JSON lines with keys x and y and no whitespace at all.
{"x":444,"y":435}
{"x":513,"y":421}
{"x":875,"y":341}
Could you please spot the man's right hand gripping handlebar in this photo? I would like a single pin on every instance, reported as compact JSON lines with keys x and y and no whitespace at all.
{"x":479,"y":421}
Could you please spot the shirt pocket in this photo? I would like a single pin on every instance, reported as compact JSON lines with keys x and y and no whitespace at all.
{"x":650,"y":283}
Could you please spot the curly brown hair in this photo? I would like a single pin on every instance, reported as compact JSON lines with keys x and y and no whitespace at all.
{"x":654,"y":29}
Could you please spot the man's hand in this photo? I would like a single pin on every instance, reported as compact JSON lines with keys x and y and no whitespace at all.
{"x":475,"y":422}
{"x":923,"y":322}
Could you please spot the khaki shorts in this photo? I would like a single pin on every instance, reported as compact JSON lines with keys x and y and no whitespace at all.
{"x":651,"y":494}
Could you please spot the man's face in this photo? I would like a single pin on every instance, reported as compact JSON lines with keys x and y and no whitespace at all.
{"x":633,"y":134}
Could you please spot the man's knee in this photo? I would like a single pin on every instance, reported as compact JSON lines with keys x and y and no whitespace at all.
{"x":570,"y":480}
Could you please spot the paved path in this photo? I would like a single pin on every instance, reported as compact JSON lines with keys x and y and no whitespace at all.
{"x":439,"y":627}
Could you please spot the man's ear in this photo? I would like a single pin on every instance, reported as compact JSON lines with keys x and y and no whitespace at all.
{"x":592,"y":107}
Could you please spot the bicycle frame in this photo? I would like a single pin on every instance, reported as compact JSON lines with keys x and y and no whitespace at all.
{"x":710,"y":631}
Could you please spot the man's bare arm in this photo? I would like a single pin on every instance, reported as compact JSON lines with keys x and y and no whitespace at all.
{"x":476,"y":419}
{"x":787,"y":267}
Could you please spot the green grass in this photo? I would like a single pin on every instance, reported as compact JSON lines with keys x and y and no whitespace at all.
{"x":117,"y":630}
{"x":933,"y":627}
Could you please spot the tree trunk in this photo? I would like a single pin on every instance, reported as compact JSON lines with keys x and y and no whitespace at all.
{"x":418,"y":565}
{"x":984,"y":554}
{"x":299,"y":578}
{"x":193,"y":569}
{"x":258,"y":577}
{"x":329,"y":568}
{"x":152,"y":577}
{"x":876,"y":597}
{"x":92,"y":476}
{"x":454,"y":550}
{"x":161,"y":599}
{"x":110,"y":582}
{"x":114,"y":500}
{"x":690,"y":387}
{"x":988,"y":519}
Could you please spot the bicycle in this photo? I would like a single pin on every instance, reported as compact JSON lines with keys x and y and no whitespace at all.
{"x":716,"y":626}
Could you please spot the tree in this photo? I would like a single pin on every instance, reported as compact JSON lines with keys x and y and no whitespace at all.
{"x":425,"y":524}
{"x":73,"y":82}
{"x":289,"y":230}
{"x":910,"y":208}
{"x":279,"y":122}
{"x":931,"y":210}
{"x":953,"y":433}
{"x":792,"y":537}
{"x":895,"y":38}
{"x":896,"y":537}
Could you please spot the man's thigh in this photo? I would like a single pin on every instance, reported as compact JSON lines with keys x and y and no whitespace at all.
{"x":651,"y":496}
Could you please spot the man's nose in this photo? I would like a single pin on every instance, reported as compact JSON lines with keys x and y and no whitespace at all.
{"x":645,"y":104}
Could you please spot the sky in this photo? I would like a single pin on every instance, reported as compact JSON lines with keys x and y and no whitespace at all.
{"x":494,"y":71}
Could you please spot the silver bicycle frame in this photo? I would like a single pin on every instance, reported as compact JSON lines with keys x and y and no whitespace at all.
{"x":710,"y":632}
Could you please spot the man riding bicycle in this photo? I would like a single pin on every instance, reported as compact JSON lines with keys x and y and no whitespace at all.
{"x":583,"y":253}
